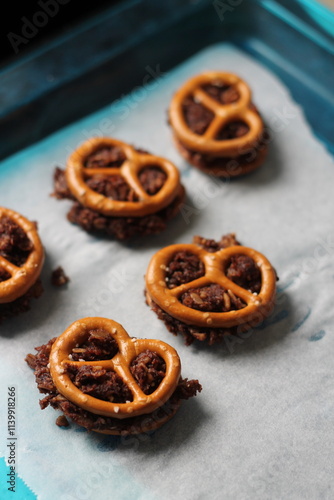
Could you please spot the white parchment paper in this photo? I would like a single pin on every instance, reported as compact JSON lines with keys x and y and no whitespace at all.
{"x":262,"y":428}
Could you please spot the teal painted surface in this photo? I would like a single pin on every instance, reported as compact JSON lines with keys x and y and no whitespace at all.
{"x":21,"y":489}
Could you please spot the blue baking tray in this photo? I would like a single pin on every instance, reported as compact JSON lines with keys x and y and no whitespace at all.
{"x":107,"y":55}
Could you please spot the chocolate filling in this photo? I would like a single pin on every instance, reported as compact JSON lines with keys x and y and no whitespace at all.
{"x":147,"y":368}
{"x":15,"y":245}
{"x":99,"y":383}
{"x":221,"y":92}
{"x":99,"y":345}
{"x":58,"y":277}
{"x":211,"y":298}
{"x":104,"y":157}
{"x":227,"y":240}
{"x":113,"y":186}
{"x":232,"y":130}
{"x":183,"y":267}
{"x":243,"y":271}
{"x":196,"y":115}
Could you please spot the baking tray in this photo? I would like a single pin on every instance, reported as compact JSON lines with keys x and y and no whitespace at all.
{"x":107,"y":56}
{"x":50,"y":92}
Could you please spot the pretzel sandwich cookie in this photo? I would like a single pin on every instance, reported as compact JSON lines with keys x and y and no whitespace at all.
{"x":108,"y":382}
{"x":21,"y":262}
{"x":215,"y":125}
{"x":209,"y":289}
{"x":119,"y":190}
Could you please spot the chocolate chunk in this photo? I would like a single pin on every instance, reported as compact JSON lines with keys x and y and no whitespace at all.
{"x":232,"y":130}
{"x":152,"y":179}
{"x":15,"y":245}
{"x":99,"y":383}
{"x":62,"y":421}
{"x":58,"y":277}
{"x":183,"y":267}
{"x":105,"y":157}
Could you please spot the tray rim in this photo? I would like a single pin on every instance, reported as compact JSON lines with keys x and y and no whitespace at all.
{"x":43,"y":59}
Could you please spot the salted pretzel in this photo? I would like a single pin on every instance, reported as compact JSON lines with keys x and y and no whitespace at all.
{"x":21,"y":277}
{"x":223,"y":114}
{"x":77,"y":175}
{"x":215,"y":264}
{"x":129,"y":348}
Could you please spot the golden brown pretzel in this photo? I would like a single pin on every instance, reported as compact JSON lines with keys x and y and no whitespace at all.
{"x":21,"y":277}
{"x":129,"y":348}
{"x":76,"y":175}
{"x":215,"y":265}
{"x":224,"y":113}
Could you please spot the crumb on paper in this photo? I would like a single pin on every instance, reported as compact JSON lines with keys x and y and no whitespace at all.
{"x":62,"y":421}
{"x":58,"y":277}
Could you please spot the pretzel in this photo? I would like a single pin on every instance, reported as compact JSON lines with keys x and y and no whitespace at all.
{"x":224,"y":113}
{"x":21,"y":277}
{"x":76,"y":175}
{"x":129,"y":348}
{"x":215,"y":272}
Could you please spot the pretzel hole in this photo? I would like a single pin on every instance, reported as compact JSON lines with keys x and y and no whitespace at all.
{"x":196,"y":115}
{"x":222,"y":92}
{"x":148,"y":369}
{"x":99,"y":345}
{"x":113,"y":187}
{"x":211,"y":298}
{"x":232,"y":130}
{"x":15,"y":246}
{"x":100,"y":383}
{"x":243,"y":270}
{"x":4,"y":275}
{"x":104,"y":157}
{"x":183,"y":268}
{"x":152,"y":178}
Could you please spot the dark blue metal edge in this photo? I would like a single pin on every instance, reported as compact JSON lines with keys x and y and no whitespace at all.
{"x":108,"y":56}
